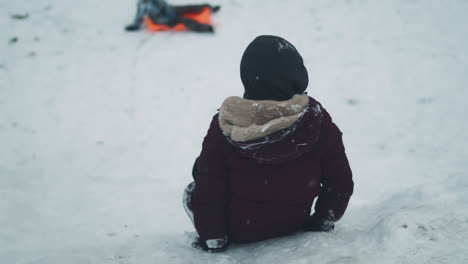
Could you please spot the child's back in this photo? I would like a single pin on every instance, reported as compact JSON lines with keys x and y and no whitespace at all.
{"x":269,"y":155}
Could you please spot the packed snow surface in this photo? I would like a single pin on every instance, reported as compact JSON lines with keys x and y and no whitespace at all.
{"x":99,"y":128}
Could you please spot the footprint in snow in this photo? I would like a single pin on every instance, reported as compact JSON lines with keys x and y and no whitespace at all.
{"x":425,"y":100}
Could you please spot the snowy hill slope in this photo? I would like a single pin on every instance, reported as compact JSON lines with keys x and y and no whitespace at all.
{"x":99,"y":128}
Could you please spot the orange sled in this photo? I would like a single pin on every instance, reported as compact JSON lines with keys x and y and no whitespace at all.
{"x":203,"y":17}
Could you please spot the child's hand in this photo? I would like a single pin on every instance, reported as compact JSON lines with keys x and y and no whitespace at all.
{"x":315,"y":224}
{"x":132,"y":27}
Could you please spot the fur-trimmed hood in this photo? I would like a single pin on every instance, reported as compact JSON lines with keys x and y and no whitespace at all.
{"x":243,"y":120}
{"x":261,"y":129}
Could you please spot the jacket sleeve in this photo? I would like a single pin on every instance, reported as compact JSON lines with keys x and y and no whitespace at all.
{"x":336,"y":180}
{"x":210,"y":196}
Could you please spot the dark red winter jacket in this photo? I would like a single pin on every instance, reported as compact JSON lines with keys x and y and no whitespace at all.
{"x":254,"y":193}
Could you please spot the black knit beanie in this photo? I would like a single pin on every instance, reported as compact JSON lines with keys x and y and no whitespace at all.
{"x":272,"y":69}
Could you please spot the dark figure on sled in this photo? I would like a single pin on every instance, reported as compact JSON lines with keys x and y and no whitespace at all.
{"x":160,"y":12}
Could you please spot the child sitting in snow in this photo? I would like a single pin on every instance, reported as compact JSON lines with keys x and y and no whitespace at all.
{"x":160,"y":12}
{"x":267,"y":156}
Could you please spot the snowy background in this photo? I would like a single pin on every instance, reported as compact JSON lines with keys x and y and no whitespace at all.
{"x":99,"y":128}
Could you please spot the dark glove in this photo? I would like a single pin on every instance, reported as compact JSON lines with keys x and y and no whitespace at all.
{"x":215,"y":8}
{"x":313,"y":223}
{"x":132,"y":27}
{"x":211,"y":245}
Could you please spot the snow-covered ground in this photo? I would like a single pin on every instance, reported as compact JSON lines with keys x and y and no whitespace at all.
{"x":99,"y":128}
